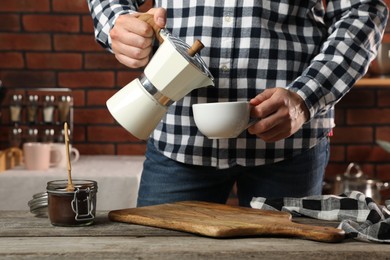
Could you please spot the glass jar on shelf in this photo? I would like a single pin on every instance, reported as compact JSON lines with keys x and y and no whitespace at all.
{"x":16,"y":108}
{"x":48,"y":109}
{"x":15,"y":137}
{"x":32,"y":135}
{"x":64,"y":105}
{"x":32,"y":109}
{"x":48,"y":136}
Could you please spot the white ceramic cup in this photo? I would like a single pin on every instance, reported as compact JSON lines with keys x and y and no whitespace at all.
{"x":58,"y":157}
{"x":223,"y":119}
{"x":36,"y":156}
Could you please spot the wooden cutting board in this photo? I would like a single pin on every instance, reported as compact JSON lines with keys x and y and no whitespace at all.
{"x":218,"y":220}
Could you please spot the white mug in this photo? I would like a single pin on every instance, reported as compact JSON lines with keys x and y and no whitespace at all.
{"x":36,"y":156}
{"x":223,"y":119}
{"x":58,"y":157}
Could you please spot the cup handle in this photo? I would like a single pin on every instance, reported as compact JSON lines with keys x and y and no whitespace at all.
{"x":76,"y":154}
{"x":252,"y":121}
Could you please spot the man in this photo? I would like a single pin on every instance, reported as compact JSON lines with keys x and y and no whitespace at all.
{"x":294,"y":60}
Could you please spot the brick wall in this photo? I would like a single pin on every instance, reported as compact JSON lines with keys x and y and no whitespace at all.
{"x":50,"y":44}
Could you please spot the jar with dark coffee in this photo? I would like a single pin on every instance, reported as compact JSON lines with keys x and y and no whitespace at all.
{"x":72,"y":208}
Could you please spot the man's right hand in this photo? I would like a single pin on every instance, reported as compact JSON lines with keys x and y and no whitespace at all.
{"x":132,"y":38}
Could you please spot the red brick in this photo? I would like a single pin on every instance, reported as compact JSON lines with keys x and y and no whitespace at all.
{"x":14,"y":41}
{"x":87,"y":24}
{"x":74,"y":6}
{"x":131,"y":149}
{"x":99,"y":97}
{"x":340,"y":116}
{"x":28,"y":79}
{"x":366,"y":154}
{"x":11,"y":60}
{"x":368,"y":116}
{"x":125,"y":77}
{"x":69,"y":61}
{"x":352,"y":135}
{"x":358,"y":98}
{"x":79,"y":134}
{"x":337,"y":153}
{"x":110,"y":134}
{"x":76,"y":42}
{"x":95,"y":149}
{"x":102,"y":61}
{"x":25,"y":6}
{"x":51,"y":23}
{"x":383,"y":133}
{"x":78,"y":98}
{"x":86,"y":79}
{"x":92,"y":116}
{"x":9,"y":22}
{"x":384,"y":98}
{"x":383,"y":172}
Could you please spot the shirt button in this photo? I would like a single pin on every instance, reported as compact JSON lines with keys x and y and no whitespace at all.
{"x":228,"y":18}
{"x":225,"y":68}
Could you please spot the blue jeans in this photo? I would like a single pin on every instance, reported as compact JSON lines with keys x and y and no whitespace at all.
{"x":164,"y":180}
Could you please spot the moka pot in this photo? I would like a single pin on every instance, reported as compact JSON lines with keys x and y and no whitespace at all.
{"x":174,"y":70}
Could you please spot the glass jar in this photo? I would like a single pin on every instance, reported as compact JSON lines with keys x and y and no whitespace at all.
{"x":48,"y":136}
{"x":15,"y":137}
{"x":64,"y":105}
{"x":32,"y":135}
{"x":32,"y":108}
{"x":16,"y":108}
{"x":72,"y":208}
{"x":48,"y":110}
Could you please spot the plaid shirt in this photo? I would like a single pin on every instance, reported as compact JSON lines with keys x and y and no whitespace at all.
{"x":251,"y":45}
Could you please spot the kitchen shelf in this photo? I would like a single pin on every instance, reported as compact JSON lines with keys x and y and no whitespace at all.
{"x":374,"y":82}
{"x":32,"y":120}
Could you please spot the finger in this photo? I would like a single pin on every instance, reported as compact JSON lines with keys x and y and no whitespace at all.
{"x":265,"y":124}
{"x":131,"y":40}
{"x":160,"y":17}
{"x":138,"y":37}
{"x":276,"y":133}
{"x":131,"y":63}
{"x":140,"y":27}
{"x":131,"y":56}
{"x":265,"y":109}
{"x":266,"y":94}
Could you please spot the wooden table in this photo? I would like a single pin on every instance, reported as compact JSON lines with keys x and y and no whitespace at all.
{"x":24,"y":236}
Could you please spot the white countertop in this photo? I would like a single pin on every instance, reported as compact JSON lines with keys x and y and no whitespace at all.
{"x":117,"y":178}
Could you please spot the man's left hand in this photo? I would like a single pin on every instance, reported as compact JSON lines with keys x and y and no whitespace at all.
{"x":282,"y":113}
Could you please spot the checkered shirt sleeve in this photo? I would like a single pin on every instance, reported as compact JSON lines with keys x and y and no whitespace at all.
{"x":104,"y":14}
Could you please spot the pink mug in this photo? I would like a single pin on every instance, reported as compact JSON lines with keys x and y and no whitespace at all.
{"x":36,"y":156}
